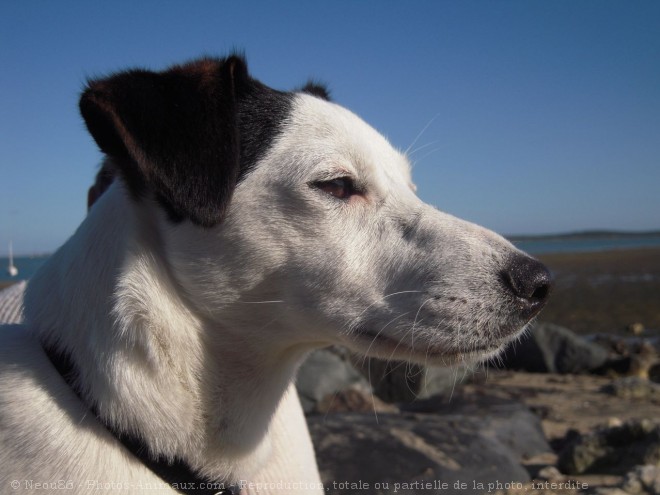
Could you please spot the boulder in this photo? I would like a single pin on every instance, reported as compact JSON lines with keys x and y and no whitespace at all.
{"x":398,"y":382}
{"x":550,"y":473}
{"x":325,"y":372}
{"x":630,"y":356}
{"x":612,"y":450}
{"x":549,"y":348}
{"x":392,"y":381}
{"x":633,"y":387}
{"x":442,"y":380}
{"x":643,"y":480}
{"x":508,"y":421}
{"x":480,"y":445}
{"x":636,"y":328}
{"x":353,"y":399}
{"x":654,"y":373}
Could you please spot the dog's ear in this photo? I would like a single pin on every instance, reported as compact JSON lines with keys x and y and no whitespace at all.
{"x":173,"y":133}
{"x":316,"y":89}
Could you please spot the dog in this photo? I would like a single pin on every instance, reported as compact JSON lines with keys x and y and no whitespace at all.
{"x":249,"y":227}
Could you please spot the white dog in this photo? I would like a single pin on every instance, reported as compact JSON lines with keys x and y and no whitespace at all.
{"x":249,"y":227}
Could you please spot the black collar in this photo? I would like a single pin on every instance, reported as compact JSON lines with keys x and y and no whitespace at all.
{"x":178,"y":474}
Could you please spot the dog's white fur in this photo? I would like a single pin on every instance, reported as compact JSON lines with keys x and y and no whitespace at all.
{"x":190,"y":337}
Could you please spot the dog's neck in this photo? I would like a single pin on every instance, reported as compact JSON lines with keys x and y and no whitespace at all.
{"x":144,"y":356}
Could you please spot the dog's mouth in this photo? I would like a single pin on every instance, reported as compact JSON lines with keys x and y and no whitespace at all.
{"x":387,"y":347}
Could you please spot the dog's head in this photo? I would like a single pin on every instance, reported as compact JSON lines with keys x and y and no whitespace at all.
{"x":286,"y":216}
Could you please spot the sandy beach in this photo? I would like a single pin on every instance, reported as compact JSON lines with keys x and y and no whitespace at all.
{"x":605,"y":291}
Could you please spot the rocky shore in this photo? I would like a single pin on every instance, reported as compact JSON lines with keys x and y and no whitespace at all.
{"x":559,"y":414}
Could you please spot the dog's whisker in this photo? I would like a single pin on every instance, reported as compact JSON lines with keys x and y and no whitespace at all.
{"x":391,"y":369}
{"x":412,"y":331}
{"x":426,"y":155}
{"x":409,"y":377}
{"x":366,"y":354}
{"x":258,"y":302}
{"x":332,"y":401}
{"x":419,"y":135}
{"x":396,"y":347}
{"x":467,"y":368}
{"x":453,"y":385}
{"x":419,"y":148}
{"x":426,"y":357}
{"x":373,"y":394}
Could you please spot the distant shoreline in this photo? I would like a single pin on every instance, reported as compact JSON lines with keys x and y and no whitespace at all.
{"x":586,"y":242}
{"x":586,"y":234}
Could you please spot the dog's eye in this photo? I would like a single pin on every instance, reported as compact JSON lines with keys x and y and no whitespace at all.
{"x":341,"y":188}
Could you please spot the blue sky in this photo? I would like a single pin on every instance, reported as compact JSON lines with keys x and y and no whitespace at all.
{"x":545,"y":115}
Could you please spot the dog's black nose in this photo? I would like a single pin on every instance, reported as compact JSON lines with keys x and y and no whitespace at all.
{"x":529,"y":280}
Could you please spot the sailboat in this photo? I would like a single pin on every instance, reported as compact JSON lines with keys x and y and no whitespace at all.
{"x":11,"y":269}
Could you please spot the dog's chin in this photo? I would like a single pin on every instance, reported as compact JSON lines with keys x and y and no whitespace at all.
{"x":388,"y":348}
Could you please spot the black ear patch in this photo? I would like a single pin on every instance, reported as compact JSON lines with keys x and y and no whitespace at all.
{"x":177,"y":133}
{"x":316,"y":89}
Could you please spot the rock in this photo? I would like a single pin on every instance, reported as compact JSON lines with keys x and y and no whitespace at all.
{"x":392,"y":381}
{"x":404,"y":382}
{"x":549,"y":348}
{"x":354,"y":399}
{"x":643,"y":480}
{"x":632,"y":356}
{"x":633,"y":387}
{"x":354,"y":448}
{"x":508,"y":421}
{"x":474,"y":439}
{"x":614,"y":421}
{"x":551,"y":473}
{"x":610,"y":490}
{"x":441,"y":380}
{"x":636,"y":328}
{"x":612,"y":450}
{"x":325,"y":372}
{"x":642,"y":361}
{"x":654,"y":373}
{"x":329,"y":371}
{"x":616,"y":366}
{"x":613,"y":343}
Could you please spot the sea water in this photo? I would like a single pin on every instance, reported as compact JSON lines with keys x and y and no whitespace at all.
{"x":26,"y":265}
{"x":544,"y":245}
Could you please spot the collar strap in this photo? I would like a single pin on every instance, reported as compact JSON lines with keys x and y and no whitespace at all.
{"x":177,"y":473}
